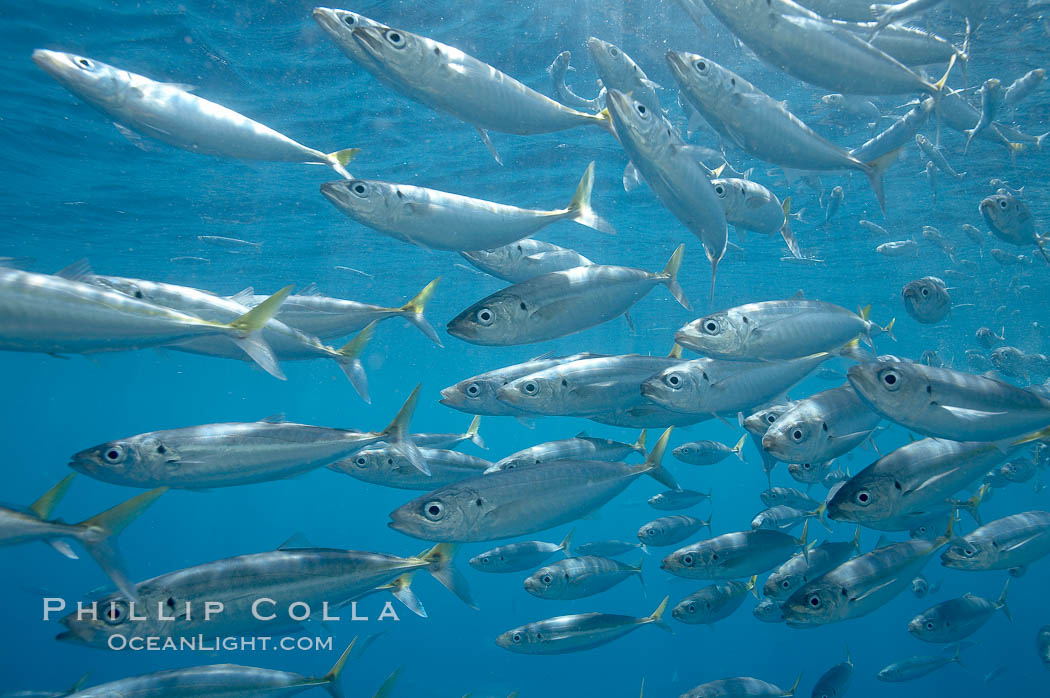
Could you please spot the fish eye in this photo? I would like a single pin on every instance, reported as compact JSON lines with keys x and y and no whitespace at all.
{"x":348,"y":20}
{"x":785,"y":584}
{"x":546,"y":579}
{"x":516,"y":638}
{"x":929,"y":626}
{"x":87,"y":65}
{"x":720,"y":190}
{"x":650,"y":532}
{"x":485,"y":560}
{"x":687,"y":560}
{"x":641,"y":109}
{"x":434,"y":510}
{"x":395,"y":38}
{"x":673,"y":380}
{"x":613,"y":52}
{"x":485,"y":316}
{"x":116,"y":613}
{"x":361,"y":461}
{"x":863,"y":498}
{"x":473,"y":390}
{"x":691,"y":608}
{"x":700,"y":66}
{"x":1002,"y":203}
{"x":530,"y":388}
{"x":807,"y":466}
{"x":359,"y":189}
{"x":925,"y":291}
{"x":771,"y":418}
{"x":115,"y":454}
{"x":891,"y":379}
{"x":797,"y":435}
{"x":814,"y":601}
{"x":968,"y":552}
{"x":711,"y":327}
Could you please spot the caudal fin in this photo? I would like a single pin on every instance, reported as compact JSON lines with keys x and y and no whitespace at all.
{"x":652,"y":466}
{"x":566,"y":542}
{"x":671,"y":272}
{"x":98,"y":534}
{"x":1001,"y":602}
{"x":579,"y":208}
{"x":639,"y":445}
{"x":331,"y":679}
{"x":401,"y":589}
{"x":876,"y":170}
{"x":340,"y":159}
{"x":50,"y":499}
{"x":412,"y":311}
{"x":348,"y":357}
{"x":474,"y":434}
{"x":657,"y":615}
{"x":738,"y":449}
{"x":397,"y":433}
{"x":786,"y":232}
{"x":245,"y":332}
{"x":439,"y":564}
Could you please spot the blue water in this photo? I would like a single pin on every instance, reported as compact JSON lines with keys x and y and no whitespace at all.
{"x":74,"y":188}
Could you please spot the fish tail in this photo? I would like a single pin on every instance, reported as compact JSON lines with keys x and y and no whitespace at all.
{"x":971,"y":505}
{"x":386,"y":689}
{"x":657,"y":616}
{"x":638,"y":568}
{"x":396,"y":434}
{"x":714,"y":273}
{"x":605,"y":120}
{"x":50,"y":499}
{"x":786,"y":232}
{"x":579,"y":208}
{"x":652,"y":466}
{"x":1000,"y":603}
{"x":413,"y":311}
{"x":340,"y":159}
{"x":246,"y":332}
{"x":639,"y":445}
{"x":566,"y":542}
{"x":876,"y":170}
{"x":98,"y":534}
{"x":331,"y":679}
{"x":474,"y":434}
{"x":671,"y":272}
{"x":794,"y":687}
{"x":738,"y":449}
{"x":401,"y":589}
{"x":751,"y":585}
{"x":348,"y":357}
{"x":440,"y":567}
{"x":1034,"y":436}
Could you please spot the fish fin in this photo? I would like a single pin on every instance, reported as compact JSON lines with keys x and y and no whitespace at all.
{"x":751,"y":586}
{"x":488,"y":144}
{"x":397,"y":433}
{"x":738,"y":449}
{"x":579,"y":209}
{"x":244,"y":296}
{"x":649,"y":83}
{"x":340,"y":159}
{"x":639,"y":445}
{"x":247,"y":327}
{"x":474,"y":435}
{"x":412,"y":311}
{"x":676,"y":352}
{"x":387,"y":687}
{"x":98,"y":535}
{"x":671,"y":271}
{"x":439,"y":559}
{"x":794,"y":687}
{"x":786,"y":233}
{"x":566,"y":542}
{"x":63,"y":547}
{"x":331,"y":679}
{"x":76,"y":271}
{"x":297,"y":541}
{"x":874,"y":589}
{"x":279,"y":418}
{"x":1000,"y":603}
{"x":527,"y":422}
{"x":47,"y":502}
{"x":657,"y":616}
{"x":348,"y":357}
{"x":875,"y":171}
{"x":652,"y":466}
{"x":401,"y":589}
{"x":632,"y":178}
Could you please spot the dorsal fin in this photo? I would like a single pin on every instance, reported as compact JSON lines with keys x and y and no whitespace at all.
{"x":309,"y":289}
{"x":297,"y":541}
{"x":799,"y":295}
{"x":76,"y":271}
{"x":243,"y":296}
{"x":279,"y":418}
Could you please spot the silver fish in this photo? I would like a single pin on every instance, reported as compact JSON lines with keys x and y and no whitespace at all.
{"x":669,"y":530}
{"x":55,"y":315}
{"x":742,"y":687}
{"x":936,"y":156}
{"x":733,"y":555}
{"x":821,"y":427}
{"x":898,"y":248}
{"x":886,"y":143}
{"x":788,"y":496}
{"x":802,"y":568}
{"x":708,"y":452}
{"x":752,"y":207}
{"x":574,"y":633}
{"x":220,"y":679}
{"x":170,"y":113}
{"x":525,"y":259}
{"x":834,"y":682}
{"x":97,"y":534}
{"x":1011,"y":221}
{"x":948,"y":404}
{"x":579,"y":577}
{"x":768,"y":611}
{"x":673,"y":500}
{"x":1042,"y":645}
{"x":440,"y":220}
{"x":389,"y":467}
{"x":619,"y":72}
{"x":780,"y":518}
{"x":955,"y":619}
{"x":781,"y":329}
{"x":713,"y":603}
{"x":677,"y":179}
{"x":172,"y":605}
{"x":581,"y":447}
{"x":1010,"y":543}
{"x":558,"y":69}
{"x":759,"y":124}
{"x":522,"y":501}
{"x":991,"y":101}
{"x":516,"y":557}
{"x":927,"y":300}
{"x":914,"y":668}
{"x":1023,"y":86}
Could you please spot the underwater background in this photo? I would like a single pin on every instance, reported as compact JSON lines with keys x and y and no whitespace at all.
{"x":74,"y":187}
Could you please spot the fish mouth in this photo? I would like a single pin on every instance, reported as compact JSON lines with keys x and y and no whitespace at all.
{"x":51,"y":62}
{"x":328,"y":19}
{"x":336,"y":193}
{"x":677,"y":61}
{"x":370,"y":40}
